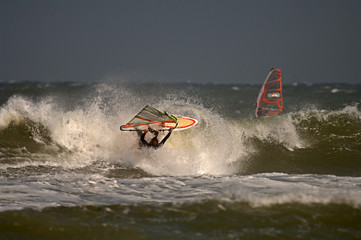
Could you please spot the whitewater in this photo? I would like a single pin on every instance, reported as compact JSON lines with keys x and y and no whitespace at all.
{"x":63,"y":157}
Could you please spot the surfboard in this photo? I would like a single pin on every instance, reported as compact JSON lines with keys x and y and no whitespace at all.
{"x":183,"y":123}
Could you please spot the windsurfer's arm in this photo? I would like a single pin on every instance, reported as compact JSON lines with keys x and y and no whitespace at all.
{"x":166,"y":137}
{"x":143,"y":136}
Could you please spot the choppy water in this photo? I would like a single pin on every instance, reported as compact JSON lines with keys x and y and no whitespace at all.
{"x":67,"y":171}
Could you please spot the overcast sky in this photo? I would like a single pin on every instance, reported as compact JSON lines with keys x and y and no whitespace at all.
{"x":314,"y":41}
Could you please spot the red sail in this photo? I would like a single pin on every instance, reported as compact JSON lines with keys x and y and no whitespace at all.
{"x":270,"y":100}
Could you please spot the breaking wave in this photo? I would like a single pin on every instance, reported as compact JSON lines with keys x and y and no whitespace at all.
{"x":58,"y":132}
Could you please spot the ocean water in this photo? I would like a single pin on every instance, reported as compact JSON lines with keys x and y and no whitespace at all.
{"x":68,"y":172}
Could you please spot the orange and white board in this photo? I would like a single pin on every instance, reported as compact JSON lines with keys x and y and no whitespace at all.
{"x":183,"y":123}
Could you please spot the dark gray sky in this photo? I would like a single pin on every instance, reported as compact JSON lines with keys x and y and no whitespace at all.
{"x":314,"y":41}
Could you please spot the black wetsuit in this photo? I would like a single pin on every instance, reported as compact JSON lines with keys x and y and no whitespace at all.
{"x":144,"y":143}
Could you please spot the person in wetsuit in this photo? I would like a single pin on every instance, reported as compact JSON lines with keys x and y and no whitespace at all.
{"x":154,"y":143}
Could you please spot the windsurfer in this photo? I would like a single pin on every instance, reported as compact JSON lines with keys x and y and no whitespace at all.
{"x":154,"y":143}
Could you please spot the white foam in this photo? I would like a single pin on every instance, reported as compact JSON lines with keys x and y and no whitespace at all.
{"x":271,"y":189}
{"x":260,"y":190}
{"x":11,"y":112}
{"x":280,"y":129}
{"x":84,"y":134}
{"x":91,"y":132}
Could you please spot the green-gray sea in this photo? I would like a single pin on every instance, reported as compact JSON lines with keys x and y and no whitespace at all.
{"x":68,"y":172}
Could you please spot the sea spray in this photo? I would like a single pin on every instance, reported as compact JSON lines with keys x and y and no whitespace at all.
{"x":90,"y":133}
{"x":78,"y":135}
